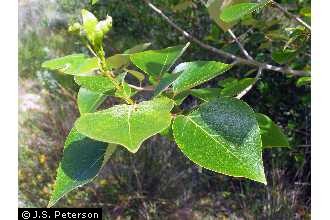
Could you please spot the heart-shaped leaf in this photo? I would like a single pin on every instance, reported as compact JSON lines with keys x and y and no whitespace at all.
{"x":222,"y":135}
{"x":82,"y":160}
{"x":127,"y":125}
{"x":196,"y":73}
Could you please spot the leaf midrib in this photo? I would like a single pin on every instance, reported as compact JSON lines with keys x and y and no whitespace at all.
{"x":246,"y":166}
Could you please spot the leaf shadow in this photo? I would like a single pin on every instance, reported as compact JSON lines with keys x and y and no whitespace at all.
{"x":82,"y":159}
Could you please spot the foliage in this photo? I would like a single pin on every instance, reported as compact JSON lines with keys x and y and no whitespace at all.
{"x":227,"y":128}
{"x":158,"y":180}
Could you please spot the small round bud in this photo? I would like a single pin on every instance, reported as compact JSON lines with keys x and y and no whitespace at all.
{"x":75,"y":27}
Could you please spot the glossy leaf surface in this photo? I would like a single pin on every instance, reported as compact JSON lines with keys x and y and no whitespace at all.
{"x":156,"y":62}
{"x":222,"y":135}
{"x":196,"y":73}
{"x":82,"y":160}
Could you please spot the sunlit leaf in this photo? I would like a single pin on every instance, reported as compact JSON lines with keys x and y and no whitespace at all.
{"x":237,"y":11}
{"x":127,"y":125}
{"x":100,"y":84}
{"x":302,"y":81}
{"x":75,"y":64}
{"x":196,"y":73}
{"x":222,"y":135}
{"x":215,"y":7}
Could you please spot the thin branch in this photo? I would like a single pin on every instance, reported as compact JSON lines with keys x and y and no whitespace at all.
{"x":237,"y":59}
{"x":247,"y":89}
{"x":244,"y":51}
{"x":287,"y":13}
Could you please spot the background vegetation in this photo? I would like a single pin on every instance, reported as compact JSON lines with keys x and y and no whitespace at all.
{"x":158,"y":182}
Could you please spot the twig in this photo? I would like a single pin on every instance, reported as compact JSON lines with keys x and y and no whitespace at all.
{"x":277,"y":5}
{"x":244,"y":51}
{"x":247,"y":89}
{"x":237,"y":59}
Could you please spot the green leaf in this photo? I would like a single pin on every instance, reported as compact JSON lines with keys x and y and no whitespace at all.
{"x":283,"y":56}
{"x":127,"y":125}
{"x":118,"y":60}
{"x":157,"y":62}
{"x":75,"y":64}
{"x":206,"y":94}
{"x":302,"y":81}
{"x":136,"y":74}
{"x":89,"y":101}
{"x":138,"y":48}
{"x":271,"y":134}
{"x":127,"y":91}
{"x":223,"y":83}
{"x":94,"y":2}
{"x":196,"y":73}
{"x":222,"y":135}
{"x":100,"y":84}
{"x":82,"y":160}
{"x":63,"y":62}
{"x":238,"y":11}
{"x":236,"y":87}
{"x":215,"y":7}
{"x":165,"y":82}
{"x":179,"y":98}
